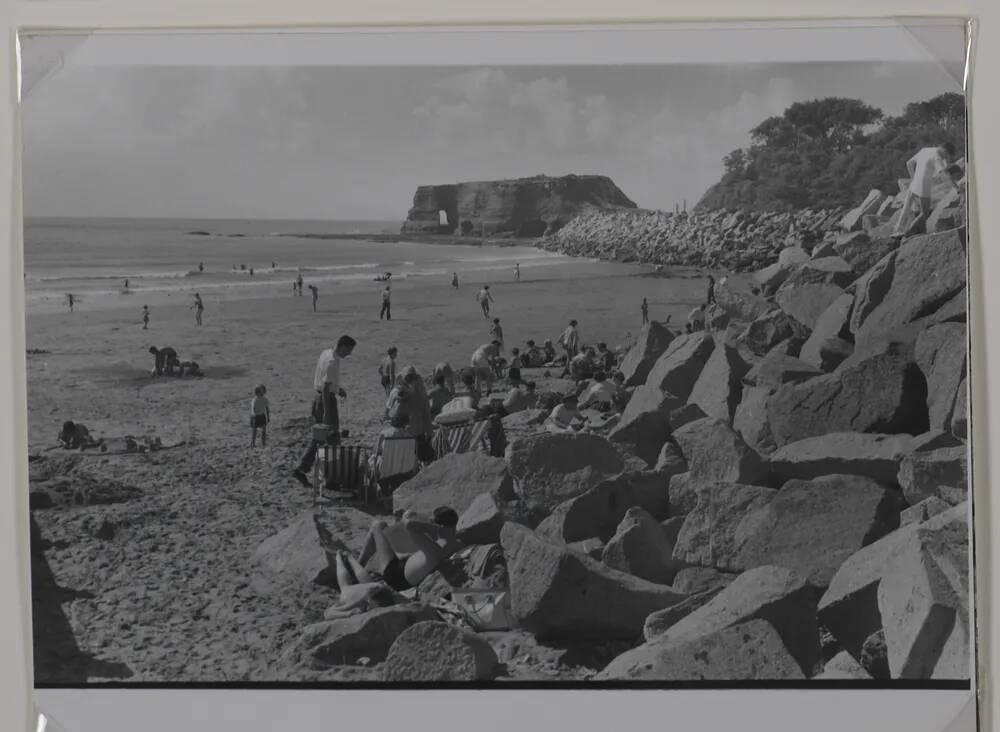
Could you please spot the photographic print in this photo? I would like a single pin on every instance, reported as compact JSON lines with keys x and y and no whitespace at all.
{"x":495,"y":374}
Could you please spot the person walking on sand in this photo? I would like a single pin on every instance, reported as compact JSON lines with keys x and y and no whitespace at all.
{"x":126,"y":284}
{"x":517,"y":271}
{"x":70,"y":300}
{"x":454,"y":280}
{"x":201,"y":267}
{"x":496,"y":331}
{"x":710,"y":297}
{"x":315,"y":295}
{"x":645,"y":311}
{"x":485,"y":297}
{"x":387,"y":370}
{"x":326,"y":384}
{"x":260,"y":415}
{"x":145,"y":317}
{"x":386,"y":310}
{"x":570,"y":340}
{"x":199,"y":308}
{"x":298,"y":281}
{"x":924,"y":167}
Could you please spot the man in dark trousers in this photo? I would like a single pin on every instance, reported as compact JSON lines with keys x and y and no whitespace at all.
{"x":326,"y":382}
{"x":386,"y":310}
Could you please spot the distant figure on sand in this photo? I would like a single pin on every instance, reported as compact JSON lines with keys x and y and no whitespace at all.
{"x":76,"y":436}
{"x":315,"y":295}
{"x":251,"y":271}
{"x":164,"y":360}
{"x":485,"y":298}
{"x":496,"y":331}
{"x":924,"y":167}
{"x":482,"y":364}
{"x":710,"y":297}
{"x":517,"y":271}
{"x":145,"y":317}
{"x":434,"y":542}
{"x":326,"y":384}
{"x":386,"y":310}
{"x":274,"y":265}
{"x":71,"y":301}
{"x":201,"y":268}
{"x":454,"y":280}
{"x":570,"y":340}
{"x":260,"y":415}
{"x":696,"y":319}
{"x":387,"y":370}
{"x":199,"y":308}
{"x":645,"y":311}
{"x":298,"y":281}
{"x":126,"y":284}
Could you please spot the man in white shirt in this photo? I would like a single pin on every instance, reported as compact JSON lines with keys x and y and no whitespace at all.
{"x":482,"y":364}
{"x":326,"y":382}
{"x":924,"y":167}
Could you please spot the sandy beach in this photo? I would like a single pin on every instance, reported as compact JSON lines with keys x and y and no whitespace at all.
{"x":203,"y":506}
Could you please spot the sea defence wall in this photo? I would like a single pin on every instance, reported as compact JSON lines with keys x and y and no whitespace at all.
{"x":521,"y":207}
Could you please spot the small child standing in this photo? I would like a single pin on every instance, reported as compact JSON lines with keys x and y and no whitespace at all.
{"x":387,"y":370}
{"x":260,"y":415}
{"x":145,"y":317}
{"x":496,"y":331}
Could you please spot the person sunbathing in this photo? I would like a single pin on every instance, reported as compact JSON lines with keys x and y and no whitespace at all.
{"x":433,"y":542}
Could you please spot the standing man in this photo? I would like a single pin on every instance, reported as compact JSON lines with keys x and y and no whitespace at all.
{"x":485,"y":298}
{"x":482,"y":364}
{"x":710,"y":297}
{"x":517,"y":271}
{"x":923,"y":168}
{"x":201,"y":268}
{"x":145,"y":317}
{"x":315,"y":293}
{"x":298,"y":281}
{"x":454,"y":280}
{"x":71,"y":300}
{"x":387,"y":370}
{"x":326,"y":382}
{"x":645,"y":311}
{"x":570,"y":341}
{"x":386,"y":310}
{"x":199,"y":308}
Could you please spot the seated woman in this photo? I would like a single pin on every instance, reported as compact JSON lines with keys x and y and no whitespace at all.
{"x":565,"y":417}
{"x":397,"y":427}
{"x":514,"y":370}
{"x":548,"y":352}
{"x":521,"y":396}
{"x":433,"y":541}
{"x":600,"y":394}
{"x":583,"y":365}
{"x":76,"y":436}
{"x":439,"y":395}
{"x":532,"y":356}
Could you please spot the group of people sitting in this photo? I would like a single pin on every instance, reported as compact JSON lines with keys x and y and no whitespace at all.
{"x":166,"y":363}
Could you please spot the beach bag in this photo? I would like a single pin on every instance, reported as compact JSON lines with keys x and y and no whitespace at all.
{"x":484,"y":609}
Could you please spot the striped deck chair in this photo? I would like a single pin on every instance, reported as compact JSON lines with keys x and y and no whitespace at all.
{"x":349,"y":470}
{"x":461,"y":438}
{"x":397,"y":464}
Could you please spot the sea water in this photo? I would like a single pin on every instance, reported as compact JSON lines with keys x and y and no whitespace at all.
{"x":92,"y":259}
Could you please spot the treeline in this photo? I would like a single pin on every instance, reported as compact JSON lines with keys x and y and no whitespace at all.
{"x":829,"y":153}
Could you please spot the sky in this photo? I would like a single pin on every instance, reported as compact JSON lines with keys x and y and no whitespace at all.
{"x":354,"y":142}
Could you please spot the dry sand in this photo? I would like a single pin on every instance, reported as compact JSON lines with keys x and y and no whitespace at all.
{"x":167,"y":597}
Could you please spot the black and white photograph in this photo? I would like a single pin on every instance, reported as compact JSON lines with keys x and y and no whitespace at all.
{"x":494,"y":375}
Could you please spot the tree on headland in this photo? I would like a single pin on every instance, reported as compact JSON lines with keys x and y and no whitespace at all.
{"x":830,"y":152}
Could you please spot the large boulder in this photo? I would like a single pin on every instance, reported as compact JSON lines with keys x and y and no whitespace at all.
{"x":862,"y":252}
{"x":823,"y":271}
{"x":670,"y":461}
{"x":551,"y":468}
{"x":942,"y":473}
{"x":761,"y":335}
{"x":812,"y":527}
{"x":682,"y":493}
{"x":657,"y":623}
{"x":852,"y":219}
{"x":677,"y":370}
{"x":881,"y":390}
{"x":713,"y":450}
{"x":832,"y":324}
{"x":742,"y":306}
{"x":598,"y":512}
{"x":560,"y":594}
{"x":843,"y":667}
{"x":960,"y":414}
{"x":695,"y":580}
{"x":920,"y":512}
{"x":642,"y":547}
{"x":719,"y":387}
{"x":776,"y":369}
{"x":721,"y":522}
{"x":806,"y":303}
{"x":750,"y":419}
{"x":456,"y":480}
{"x":909,"y":284}
{"x":923,"y":601}
{"x":751,"y":651}
{"x":856,"y":453}
{"x":645,"y":424}
{"x":433,"y":651}
{"x":774,"y":594}
{"x":305,"y":551}
{"x":481,"y":522}
{"x":368,"y":635}
{"x":941,"y":352}
{"x":849,"y":607}
{"x":652,"y":342}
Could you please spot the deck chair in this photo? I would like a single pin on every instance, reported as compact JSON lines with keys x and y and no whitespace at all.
{"x":397,"y":464}
{"x":461,"y":438}
{"x":349,"y":470}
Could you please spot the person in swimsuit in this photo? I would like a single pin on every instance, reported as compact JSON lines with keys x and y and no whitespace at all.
{"x":485,"y":297}
{"x":199,"y":308}
{"x":434,"y":541}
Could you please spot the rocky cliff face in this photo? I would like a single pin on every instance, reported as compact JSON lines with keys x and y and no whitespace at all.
{"x":523,"y":207}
